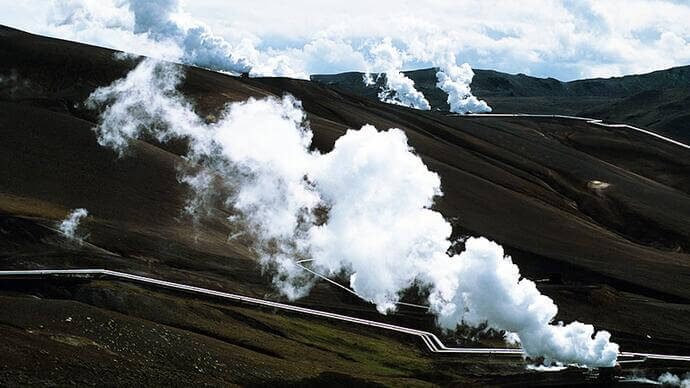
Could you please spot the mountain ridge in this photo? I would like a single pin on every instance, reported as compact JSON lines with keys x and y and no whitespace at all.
{"x":622,"y":99}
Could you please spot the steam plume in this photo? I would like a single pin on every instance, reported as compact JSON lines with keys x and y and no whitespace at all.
{"x":431,"y":44}
{"x":455,"y":80}
{"x":667,"y":379}
{"x":69,"y":225}
{"x":158,"y":28}
{"x":675,"y":381}
{"x":161,"y":28}
{"x":164,"y":19}
{"x":363,"y":209}
{"x":452,"y":78}
{"x":399,"y":88}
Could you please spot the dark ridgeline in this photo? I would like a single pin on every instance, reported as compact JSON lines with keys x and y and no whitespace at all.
{"x":659,"y":100}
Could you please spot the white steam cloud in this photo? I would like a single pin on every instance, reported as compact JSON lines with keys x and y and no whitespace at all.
{"x":675,"y":381}
{"x":455,"y":80}
{"x":399,"y":89}
{"x":363,"y":209}
{"x":69,"y":225}
{"x":164,"y":20}
{"x":157,"y":28}
{"x":452,"y":78}
{"x":108,"y":23}
{"x":667,"y":379}
{"x":161,"y":29}
{"x":431,"y":44}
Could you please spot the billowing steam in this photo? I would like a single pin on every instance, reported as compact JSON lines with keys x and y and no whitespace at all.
{"x":162,"y":29}
{"x":455,"y":80}
{"x":434,"y":45}
{"x":363,"y":209}
{"x":165,"y":20}
{"x":399,"y":88}
{"x":69,"y":225}
{"x":675,"y":381}
{"x":158,"y":28}
{"x":452,"y":78}
{"x":667,"y":379}
{"x":107,"y":23}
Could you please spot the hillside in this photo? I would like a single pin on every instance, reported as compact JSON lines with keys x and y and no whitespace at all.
{"x":665,"y":110}
{"x":615,"y":254}
{"x":657,"y":100}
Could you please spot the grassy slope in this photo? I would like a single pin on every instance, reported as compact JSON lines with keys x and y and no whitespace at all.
{"x":168,"y":338}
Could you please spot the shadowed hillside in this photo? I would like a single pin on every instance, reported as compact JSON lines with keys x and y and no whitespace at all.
{"x":657,"y":100}
{"x":602,"y":215}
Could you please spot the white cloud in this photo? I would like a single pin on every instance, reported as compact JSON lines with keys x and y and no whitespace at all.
{"x":547,"y":38}
{"x":107,"y":23}
{"x":560,"y":38}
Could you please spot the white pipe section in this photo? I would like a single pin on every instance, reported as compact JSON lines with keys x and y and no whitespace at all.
{"x":432,"y":342}
{"x":588,"y":120}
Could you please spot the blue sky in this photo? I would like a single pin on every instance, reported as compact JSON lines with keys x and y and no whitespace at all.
{"x":565,"y":39}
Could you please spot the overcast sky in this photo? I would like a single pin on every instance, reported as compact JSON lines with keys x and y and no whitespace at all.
{"x":559,"y":38}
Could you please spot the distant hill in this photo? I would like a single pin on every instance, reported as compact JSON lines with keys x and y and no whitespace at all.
{"x":667,"y":111}
{"x":659,"y":100}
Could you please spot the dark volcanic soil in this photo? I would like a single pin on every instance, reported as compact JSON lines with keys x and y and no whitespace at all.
{"x":659,"y":100}
{"x":603,"y":214}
